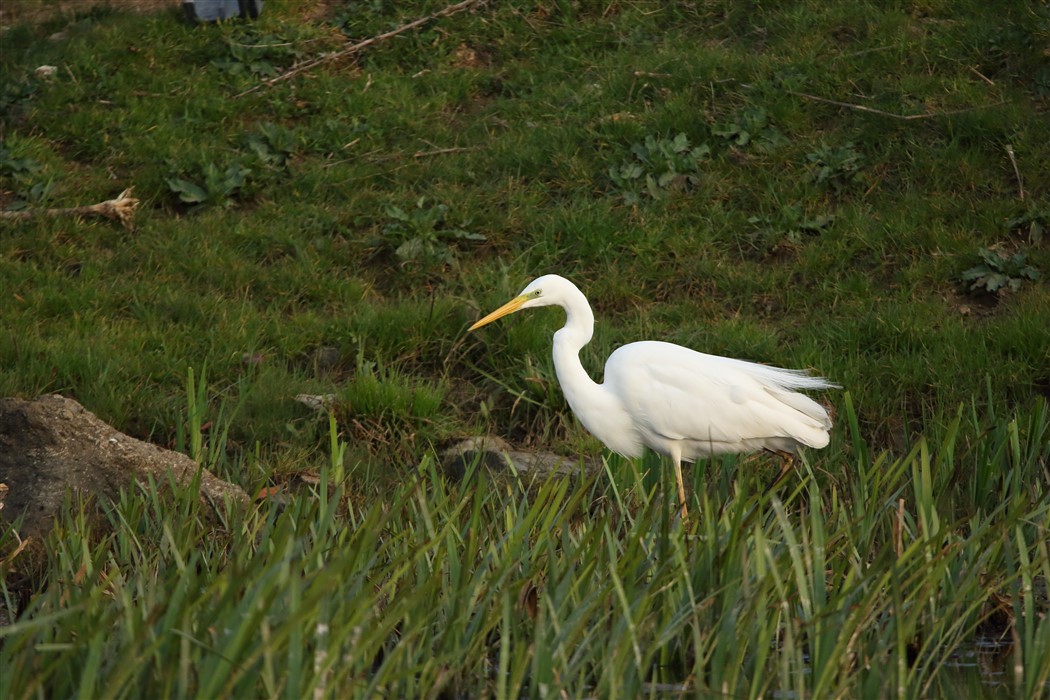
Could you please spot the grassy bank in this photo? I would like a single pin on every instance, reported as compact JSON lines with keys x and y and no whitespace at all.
{"x":918,"y":576}
{"x":860,"y":189}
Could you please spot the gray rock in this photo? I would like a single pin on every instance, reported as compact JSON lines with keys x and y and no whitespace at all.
{"x":326,"y":359}
{"x":496,"y":454}
{"x":52,"y":443}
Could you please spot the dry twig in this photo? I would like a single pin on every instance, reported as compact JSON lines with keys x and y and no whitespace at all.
{"x":891,"y":115}
{"x":898,"y":529}
{"x":22,"y":544}
{"x":122,"y":209}
{"x":354,"y":48}
{"x":1017,"y":171}
{"x":424,"y":154}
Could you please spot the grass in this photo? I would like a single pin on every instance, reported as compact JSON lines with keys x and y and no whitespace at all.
{"x":337,"y":233}
{"x":871,"y":583}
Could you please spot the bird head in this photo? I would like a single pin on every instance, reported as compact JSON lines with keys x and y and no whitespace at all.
{"x":542,"y":291}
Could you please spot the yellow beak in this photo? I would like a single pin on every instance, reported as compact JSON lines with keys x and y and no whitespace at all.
{"x":508,"y":308}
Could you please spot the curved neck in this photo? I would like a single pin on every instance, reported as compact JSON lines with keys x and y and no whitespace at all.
{"x":579,"y":321}
{"x":576,"y":384}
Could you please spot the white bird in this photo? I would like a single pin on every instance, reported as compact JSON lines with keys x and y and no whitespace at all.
{"x":676,"y":401}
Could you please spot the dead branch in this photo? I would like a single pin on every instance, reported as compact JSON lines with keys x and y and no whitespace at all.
{"x":443,"y":151}
{"x":898,"y":529}
{"x":121,"y":209}
{"x":355,"y":48}
{"x":22,"y":544}
{"x":891,"y":115}
{"x":424,"y":154}
{"x":1017,"y":171}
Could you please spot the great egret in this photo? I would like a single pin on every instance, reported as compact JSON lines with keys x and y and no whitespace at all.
{"x":679,"y":402}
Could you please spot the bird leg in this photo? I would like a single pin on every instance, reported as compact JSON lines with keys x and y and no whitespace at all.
{"x":788,"y":465}
{"x":681,"y":486}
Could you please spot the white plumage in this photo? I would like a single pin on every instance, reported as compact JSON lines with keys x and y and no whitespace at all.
{"x":679,"y":402}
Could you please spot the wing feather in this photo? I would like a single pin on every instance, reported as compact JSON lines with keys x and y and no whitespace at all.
{"x":679,"y":394}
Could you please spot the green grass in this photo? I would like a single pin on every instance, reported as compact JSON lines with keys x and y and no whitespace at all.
{"x":320,"y":246}
{"x":872,"y":583}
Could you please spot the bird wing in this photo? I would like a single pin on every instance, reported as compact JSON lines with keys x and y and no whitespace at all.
{"x":679,"y":394}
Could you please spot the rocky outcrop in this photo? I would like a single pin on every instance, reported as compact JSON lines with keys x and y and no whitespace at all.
{"x":52,"y":444}
{"x":496,"y":454}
